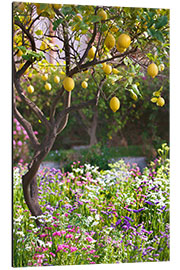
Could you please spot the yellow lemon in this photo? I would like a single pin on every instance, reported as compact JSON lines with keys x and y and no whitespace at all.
{"x":56,"y":79}
{"x":91,"y":52}
{"x":107,"y":69}
{"x":45,"y":77}
{"x":115,"y":70}
{"x":102,"y":13}
{"x":109,"y":41}
{"x":152,"y":70}
{"x":121,"y":50}
{"x":114,"y":29}
{"x":48,"y":86}
{"x":160,"y":101}
{"x":20,"y":53}
{"x":30,"y":75}
{"x":84,"y":84}
{"x":30,"y":89}
{"x":124,"y":41}
{"x":104,"y":64}
{"x":114,"y":104}
{"x":68,"y":84}
{"x":161,"y":67}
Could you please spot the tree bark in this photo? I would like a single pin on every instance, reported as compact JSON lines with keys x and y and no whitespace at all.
{"x":92,"y":129}
{"x":29,"y":180}
{"x":30,"y":191}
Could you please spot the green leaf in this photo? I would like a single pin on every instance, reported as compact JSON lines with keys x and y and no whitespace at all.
{"x":39,"y":32}
{"x":67,"y":10}
{"x":136,"y":90}
{"x":94,"y":18}
{"x":57,"y":23}
{"x":156,"y":34}
{"x":162,"y":21}
{"x":22,"y":48}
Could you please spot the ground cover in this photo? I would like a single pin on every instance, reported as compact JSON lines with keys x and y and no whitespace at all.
{"x":93,"y":217}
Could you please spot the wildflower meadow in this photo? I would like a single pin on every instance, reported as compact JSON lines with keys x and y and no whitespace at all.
{"x":92,"y":217}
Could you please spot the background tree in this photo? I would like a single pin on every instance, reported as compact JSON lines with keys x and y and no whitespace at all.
{"x":76,"y":39}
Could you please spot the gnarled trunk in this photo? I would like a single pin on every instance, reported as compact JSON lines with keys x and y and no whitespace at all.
{"x":30,"y":190}
{"x":29,"y":180}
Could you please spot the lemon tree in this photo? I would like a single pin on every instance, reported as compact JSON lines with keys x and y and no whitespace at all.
{"x":68,"y":40}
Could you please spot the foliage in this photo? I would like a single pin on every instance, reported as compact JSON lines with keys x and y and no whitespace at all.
{"x":21,"y":145}
{"x":45,"y":53}
{"x":97,"y":155}
{"x":114,"y":216}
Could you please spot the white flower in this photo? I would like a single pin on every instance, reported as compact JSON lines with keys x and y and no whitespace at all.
{"x":97,"y":217}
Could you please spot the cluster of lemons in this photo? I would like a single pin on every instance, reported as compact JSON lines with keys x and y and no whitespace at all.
{"x":47,"y":85}
{"x":153,"y":70}
{"x":122,"y":43}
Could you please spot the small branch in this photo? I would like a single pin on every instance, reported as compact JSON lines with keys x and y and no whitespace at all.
{"x":31,"y":104}
{"x":27,"y":126}
{"x":54,"y":103}
{"x":61,"y":122}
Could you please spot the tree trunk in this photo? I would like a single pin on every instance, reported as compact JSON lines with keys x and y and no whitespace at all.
{"x":30,"y":191}
{"x":92,"y":129}
{"x":29,"y":180}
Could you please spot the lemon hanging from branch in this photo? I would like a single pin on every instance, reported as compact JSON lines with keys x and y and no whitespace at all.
{"x":68,"y":84}
{"x":160,"y":102}
{"x":107,"y":69}
{"x":91,"y":53}
{"x":109,"y":41}
{"x":102,"y":13}
{"x":152,"y":70}
{"x":56,"y":79}
{"x":123,"y":41}
{"x":84,"y":84}
{"x":114,"y":104}
{"x":30,"y":89}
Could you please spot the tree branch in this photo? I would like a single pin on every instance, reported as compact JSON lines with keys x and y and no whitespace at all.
{"x":27,"y":126}
{"x":31,"y":104}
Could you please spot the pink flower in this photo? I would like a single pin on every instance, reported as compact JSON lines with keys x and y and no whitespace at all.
{"x":57,"y":233}
{"x":19,"y":143}
{"x":69,"y":236}
{"x":43,"y":235}
{"x":92,"y":251}
{"x":66,"y":215}
{"x":18,"y":128}
{"x":52,"y":254}
{"x":14,"y":132}
{"x":63,"y":232}
{"x":89,"y":239}
{"x":72,"y":249}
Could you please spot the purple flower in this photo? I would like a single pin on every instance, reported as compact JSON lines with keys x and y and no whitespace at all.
{"x":118,"y":222}
{"x":139,"y":210}
{"x":148,"y":202}
{"x":128,"y":218}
